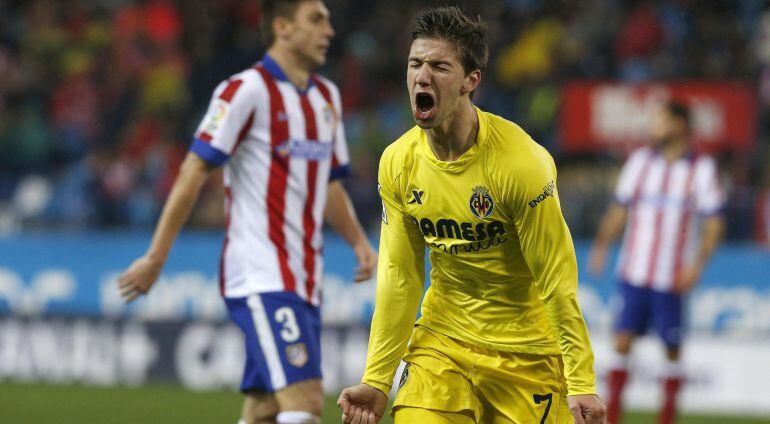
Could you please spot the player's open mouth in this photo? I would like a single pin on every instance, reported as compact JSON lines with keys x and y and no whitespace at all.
{"x":424,"y":104}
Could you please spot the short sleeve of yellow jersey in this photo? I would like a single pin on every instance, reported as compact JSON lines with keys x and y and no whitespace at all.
{"x":547,"y":248}
{"x":400,"y":278}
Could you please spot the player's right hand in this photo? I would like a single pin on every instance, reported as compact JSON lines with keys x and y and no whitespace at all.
{"x":367,"y":261}
{"x":139,"y":277}
{"x":597,"y":260}
{"x":362,"y":404}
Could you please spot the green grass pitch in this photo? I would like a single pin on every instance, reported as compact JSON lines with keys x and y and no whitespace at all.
{"x":167,"y":404}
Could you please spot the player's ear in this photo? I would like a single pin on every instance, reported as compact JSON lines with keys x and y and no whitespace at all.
{"x":471,"y":82}
{"x":281,"y":26}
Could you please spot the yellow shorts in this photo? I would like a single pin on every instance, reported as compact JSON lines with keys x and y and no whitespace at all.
{"x":448,"y":381}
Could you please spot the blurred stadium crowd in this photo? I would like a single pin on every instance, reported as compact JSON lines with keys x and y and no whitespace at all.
{"x":99,"y":98}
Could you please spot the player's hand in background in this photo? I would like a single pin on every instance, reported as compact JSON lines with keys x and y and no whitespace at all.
{"x":139,"y":277}
{"x":367,"y":261}
{"x":362,"y":404}
{"x":587,"y":409}
{"x":597,"y":261}
{"x":687,"y":278}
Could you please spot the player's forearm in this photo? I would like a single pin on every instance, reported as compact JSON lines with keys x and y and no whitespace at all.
{"x":341,"y":215}
{"x":558,"y":290}
{"x":551,"y":257}
{"x":180,"y":202}
{"x":400,"y":278}
{"x":712,"y":233}
{"x":574,"y":342}
{"x":394,"y":316}
{"x":611,"y":226}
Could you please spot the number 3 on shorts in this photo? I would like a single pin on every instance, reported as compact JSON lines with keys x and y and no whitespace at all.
{"x":290,"y":332}
{"x":539,"y":399}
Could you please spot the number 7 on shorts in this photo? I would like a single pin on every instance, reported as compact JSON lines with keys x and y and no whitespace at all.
{"x":539,"y":399}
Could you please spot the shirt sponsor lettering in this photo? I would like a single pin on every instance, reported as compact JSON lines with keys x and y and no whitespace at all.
{"x":312,"y":150}
{"x":548,"y":191}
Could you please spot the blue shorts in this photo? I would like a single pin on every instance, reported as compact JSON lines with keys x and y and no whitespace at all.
{"x":642,"y":308}
{"x":283,"y":339}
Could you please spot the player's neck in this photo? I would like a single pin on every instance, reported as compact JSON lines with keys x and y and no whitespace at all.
{"x":674,"y":149}
{"x":456,"y":134}
{"x":295,"y":69}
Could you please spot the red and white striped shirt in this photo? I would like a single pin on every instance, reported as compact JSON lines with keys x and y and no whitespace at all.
{"x":281,"y":146}
{"x":665,"y":203}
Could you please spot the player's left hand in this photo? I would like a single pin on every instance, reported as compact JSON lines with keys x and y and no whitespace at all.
{"x":367,"y":261}
{"x":139,"y":277}
{"x":597,"y":261}
{"x":587,"y":409}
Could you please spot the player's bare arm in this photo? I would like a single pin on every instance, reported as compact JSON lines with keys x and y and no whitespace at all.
{"x":610,"y":228}
{"x":342,"y":217}
{"x":144,"y":271}
{"x":713,"y":229}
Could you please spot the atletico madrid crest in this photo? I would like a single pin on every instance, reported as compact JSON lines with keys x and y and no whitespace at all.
{"x":481,"y":202}
{"x":296,"y":354}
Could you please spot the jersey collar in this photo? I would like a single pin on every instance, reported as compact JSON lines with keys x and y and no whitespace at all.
{"x":467,"y":157}
{"x":689,"y":155}
{"x":274,"y":69}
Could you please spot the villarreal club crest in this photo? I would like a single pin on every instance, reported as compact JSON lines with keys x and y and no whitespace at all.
{"x":481,"y":202}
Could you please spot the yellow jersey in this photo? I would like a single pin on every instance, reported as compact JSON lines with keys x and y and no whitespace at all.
{"x":503,"y":268}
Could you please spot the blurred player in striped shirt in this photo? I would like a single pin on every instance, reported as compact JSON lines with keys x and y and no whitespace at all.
{"x":277,"y":129}
{"x":669,"y":200}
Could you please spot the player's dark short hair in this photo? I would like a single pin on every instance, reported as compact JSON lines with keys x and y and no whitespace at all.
{"x":679,"y":111}
{"x":272,"y":9}
{"x":466,"y":34}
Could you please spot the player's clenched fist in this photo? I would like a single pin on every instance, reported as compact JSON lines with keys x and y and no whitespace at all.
{"x":587,"y":409}
{"x":362,"y":404}
{"x":139,"y":277}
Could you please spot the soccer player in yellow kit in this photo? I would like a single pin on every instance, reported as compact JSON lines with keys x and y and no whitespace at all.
{"x":501,"y":338}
